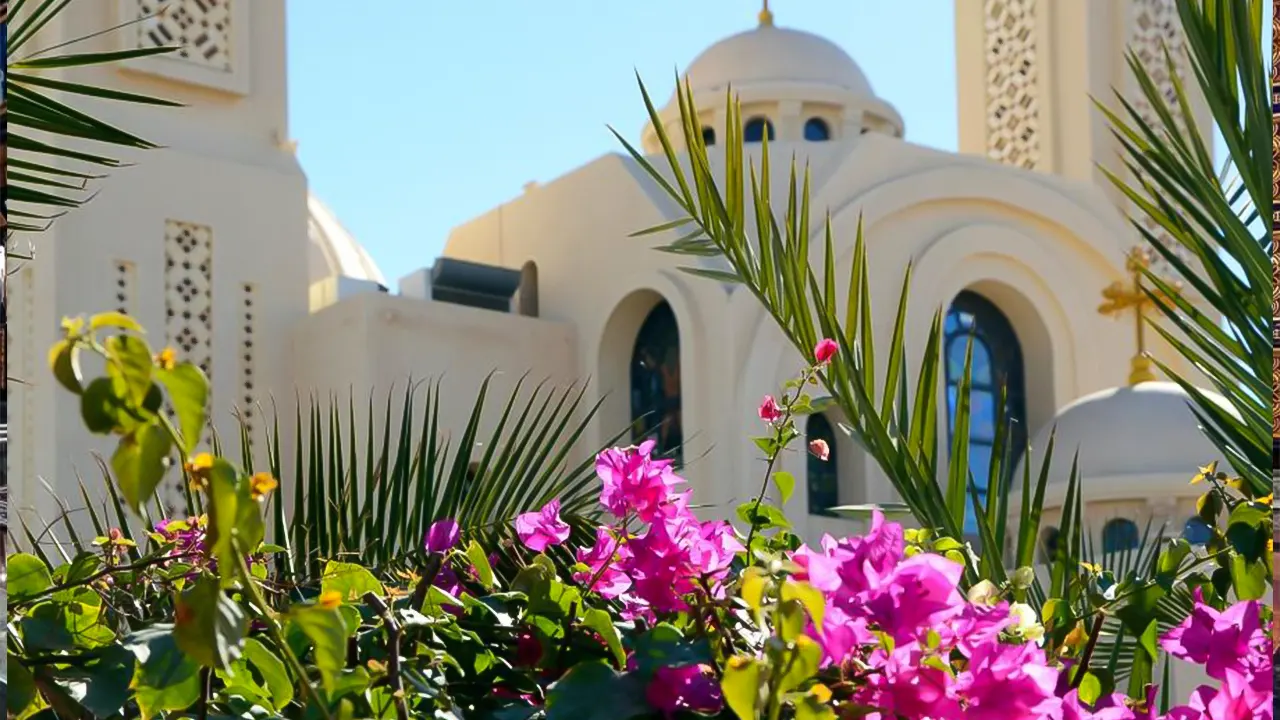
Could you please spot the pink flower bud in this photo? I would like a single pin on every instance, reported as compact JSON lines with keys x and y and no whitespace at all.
{"x":769,"y":410}
{"x":825,"y":350}
{"x":820,"y":449}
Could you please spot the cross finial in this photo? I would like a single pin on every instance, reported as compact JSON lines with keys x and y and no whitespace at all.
{"x":1121,"y":298}
{"x":766,"y":17}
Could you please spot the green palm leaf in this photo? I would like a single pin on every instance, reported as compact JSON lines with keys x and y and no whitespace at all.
{"x":41,"y":190}
{"x":1210,"y":228}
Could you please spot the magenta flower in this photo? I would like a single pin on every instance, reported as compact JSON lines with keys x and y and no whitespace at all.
{"x":825,"y":350}
{"x":692,"y":687}
{"x":442,"y":536}
{"x":605,"y":562}
{"x":1232,"y":640}
{"x":1006,"y":681}
{"x":820,"y":449}
{"x":769,"y":410}
{"x":634,"y":482}
{"x":542,"y":529}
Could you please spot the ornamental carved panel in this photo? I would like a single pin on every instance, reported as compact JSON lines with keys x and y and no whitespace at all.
{"x":1012,"y":104}
{"x":200,"y":28}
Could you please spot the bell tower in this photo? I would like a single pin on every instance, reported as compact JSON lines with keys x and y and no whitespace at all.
{"x":1028,"y":71}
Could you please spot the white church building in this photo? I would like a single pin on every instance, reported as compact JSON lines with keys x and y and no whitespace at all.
{"x":216,"y":246}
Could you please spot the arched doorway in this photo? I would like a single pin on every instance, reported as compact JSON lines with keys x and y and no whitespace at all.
{"x":655,"y":383}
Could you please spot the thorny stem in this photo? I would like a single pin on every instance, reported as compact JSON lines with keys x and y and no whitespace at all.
{"x":779,"y":433}
{"x":393,"y":653}
{"x":140,"y":565}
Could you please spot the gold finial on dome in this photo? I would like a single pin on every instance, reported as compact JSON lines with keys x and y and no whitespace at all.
{"x":766,"y":17}
{"x":1121,"y":297}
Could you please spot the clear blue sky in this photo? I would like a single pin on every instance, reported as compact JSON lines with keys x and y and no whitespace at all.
{"x":417,"y":115}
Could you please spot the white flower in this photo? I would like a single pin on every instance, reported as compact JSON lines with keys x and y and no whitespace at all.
{"x":1026,"y":625}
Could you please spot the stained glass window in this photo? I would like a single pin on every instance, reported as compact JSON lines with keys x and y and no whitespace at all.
{"x":816,"y":130}
{"x":822,"y":475}
{"x":997,"y":360}
{"x":1119,"y":535}
{"x":655,"y":383}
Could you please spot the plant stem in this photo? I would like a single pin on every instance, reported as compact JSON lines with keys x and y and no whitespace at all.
{"x":393,"y":653}
{"x":779,"y":429}
{"x":273,"y":629}
{"x":1088,"y":652}
{"x":140,"y":565}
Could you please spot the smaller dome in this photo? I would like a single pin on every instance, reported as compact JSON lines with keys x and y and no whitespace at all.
{"x":333,"y":251}
{"x":769,"y":54}
{"x":1145,"y":429}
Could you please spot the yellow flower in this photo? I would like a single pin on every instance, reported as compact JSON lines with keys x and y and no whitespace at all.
{"x":1205,"y":472}
{"x":198,"y":468}
{"x":821,"y":693}
{"x":330,"y":600}
{"x":1091,"y":568}
{"x":166,"y":359}
{"x":261,"y":484}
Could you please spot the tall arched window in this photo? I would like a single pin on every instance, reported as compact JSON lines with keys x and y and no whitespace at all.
{"x":708,"y":135}
{"x":997,"y":360}
{"x":756,"y":129}
{"x":1119,"y":535}
{"x":816,"y":130}
{"x":821,"y":475}
{"x":655,"y":383}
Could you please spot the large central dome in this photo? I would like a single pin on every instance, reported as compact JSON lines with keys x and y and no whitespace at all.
{"x":774,"y":55}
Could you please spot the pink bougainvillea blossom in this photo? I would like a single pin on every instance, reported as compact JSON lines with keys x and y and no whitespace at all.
{"x":691,"y":687}
{"x":606,"y":564}
{"x":634,"y":482}
{"x":769,"y":410}
{"x":442,"y":536}
{"x":820,"y":449}
{"x":542,"y":529}
{"x":825,"y":350}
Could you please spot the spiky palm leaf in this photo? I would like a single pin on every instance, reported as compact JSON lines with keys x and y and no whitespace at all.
{"x":51,"y":157}
{"x":1211,"y":230}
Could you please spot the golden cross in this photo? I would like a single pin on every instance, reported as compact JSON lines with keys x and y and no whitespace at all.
{"x":1121,"y":298}
{"x":766,"y":17}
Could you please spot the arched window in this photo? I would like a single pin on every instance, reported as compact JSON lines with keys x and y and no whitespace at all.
{"x":997,"y":360}
{"x":756,"y":129}
{"x":822,"y":475}
{"x":1119,"y":535}
{"x":655,"y":383}
{"x":1049,"y":544}
{"x":1196,"y":531}
{"x":708,"y":136}
{"x":816,"y":130}
{"x":528,"y":292}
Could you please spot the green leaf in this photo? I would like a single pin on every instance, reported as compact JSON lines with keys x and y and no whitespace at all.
{"x":235,"y":517}
{"x":753,"y":585}
{"x":600,"y":621}
{"x":64,"y":361}
{"x":762,"y":516}
{"x":189,"y":394}
{"x":349,"y":580}
{"x":129,"y":364}
{"x":790,"y":620}
{"x":327,"y":632}
{"x":140,"y":462}
{"x":210,"y":627}
{"x":28,"y":576}
{"x":1090,"y":689}
{"x":591,"y":690}
{"x":480,"y":561}
{"x":100,"y":408}
{"x":666,"y":646}
{"x":114,"y":319}
{"x":741,"y":686}
{"x":1249,"y":577}
{"x":21,"y":687}
{"x":786,"y":483}
{"x":808,"y":596}
{"x":807,"y":655}
{"x":165,"y":678}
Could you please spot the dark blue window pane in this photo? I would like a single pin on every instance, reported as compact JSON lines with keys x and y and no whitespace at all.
{"x":655,"y":383}
{"x":822,"y":477}
{"x":1197,"y":531}
{"x":980,"y":466}
{"x":997,"y":361}
{"x":756,"y":129}
{"x":816,"y":130}
{"x":1119,"y":535}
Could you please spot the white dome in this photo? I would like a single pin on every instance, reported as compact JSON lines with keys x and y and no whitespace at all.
{"x":333,"y":252}
{"x":1146,"y":429}
{"x":773,"y":55}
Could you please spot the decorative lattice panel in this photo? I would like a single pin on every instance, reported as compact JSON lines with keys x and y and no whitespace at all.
{"x":248,"y":353}
{"x":1013,"y":112}
{"x":188,"y":291}
{"x":1154,"y":29}
{"x":123,"y":286}
{"x":200,"y":28}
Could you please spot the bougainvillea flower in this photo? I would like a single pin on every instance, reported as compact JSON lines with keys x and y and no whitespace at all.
{"x":1231,"y":640}
{"x":691,"y":687}
{"x":820,"y":449}
{"x":442,"y":536}
{"x":542,"y":529}
{"x":769,"y":410}
{"x":825,"y":350}
{"x":605,"y":563}
{"x":634,"y":482}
